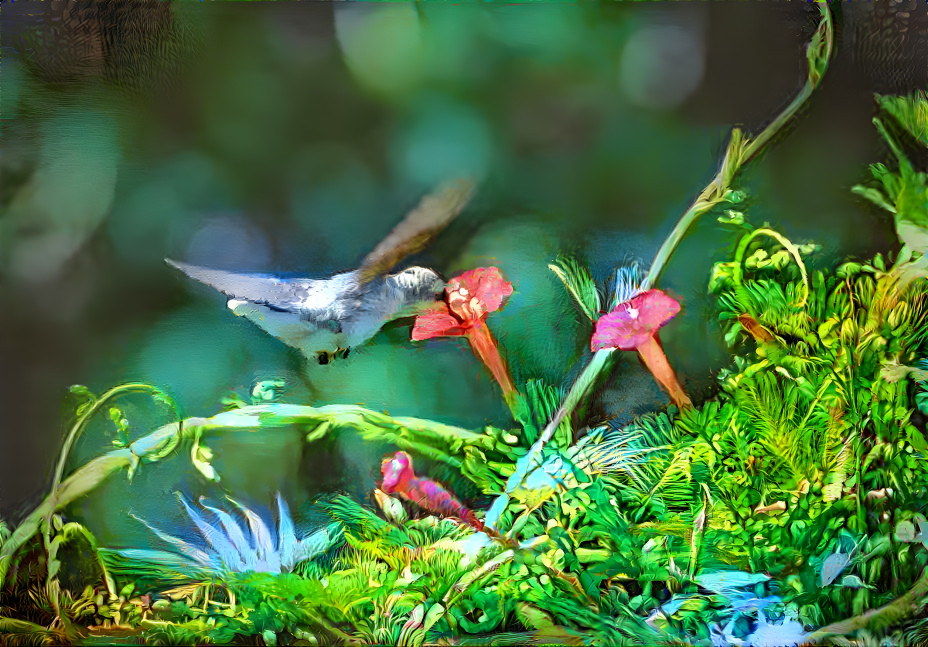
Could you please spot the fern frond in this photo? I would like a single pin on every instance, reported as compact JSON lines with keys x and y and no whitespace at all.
{"x":544,"y":400}
{"x":21,"y":632}
{"x":625,"y":283}
{"x":363,"y":523}
{"x":911,"y":112}
{"x":610,"y":451}
{"x":579,"y":282}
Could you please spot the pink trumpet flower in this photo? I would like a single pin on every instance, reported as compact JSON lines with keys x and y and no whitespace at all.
{"x":633,"y":325}
{"x":399,"y":478}
{"x":469,"y":298}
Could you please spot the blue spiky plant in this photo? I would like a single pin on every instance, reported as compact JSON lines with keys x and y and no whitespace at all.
{"x":236,"y":542}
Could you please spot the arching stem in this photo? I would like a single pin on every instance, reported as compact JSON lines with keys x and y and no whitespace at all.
{"x":783,"y":240}
{"x":740,"y":150}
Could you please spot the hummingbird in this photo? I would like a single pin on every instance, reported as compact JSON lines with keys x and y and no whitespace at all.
{"x":324,"y":318}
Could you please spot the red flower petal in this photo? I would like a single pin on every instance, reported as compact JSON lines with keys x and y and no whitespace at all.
{"x":619,"y":330}
{"x":633,"y":322}
{"x":485,"y":348}
{"x":437,"y":322}
{"x":474,"y":293}
{"x":396,"y":471}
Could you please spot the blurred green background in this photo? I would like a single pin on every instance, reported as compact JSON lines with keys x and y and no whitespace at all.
{"x":291,"y":137}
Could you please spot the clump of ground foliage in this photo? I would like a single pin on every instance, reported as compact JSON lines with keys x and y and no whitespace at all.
{"x":790,"y":508}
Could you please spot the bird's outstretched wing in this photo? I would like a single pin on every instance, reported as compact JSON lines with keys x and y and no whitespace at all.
{"x":419,"y":226}
{"x":289,"y":295}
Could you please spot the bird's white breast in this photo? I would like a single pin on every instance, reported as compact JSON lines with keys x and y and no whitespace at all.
{"x":288,"y":328}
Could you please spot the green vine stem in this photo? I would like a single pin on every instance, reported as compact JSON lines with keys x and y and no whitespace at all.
{"x":79,"y":425}
{"x":585,"y":382}
{"x":742,"y":249}
{"x":84,"y":418}
{"x":46,"y":521}
{"x":83,"y":481}
{"x":409,"y":433}
{"x":740,"y":151}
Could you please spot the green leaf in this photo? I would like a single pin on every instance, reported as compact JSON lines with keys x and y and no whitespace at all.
{"x":392,"y":507}
{"x":721,"y":276}
{"x":819,"y":50}
{"x":735,"y":196}
{"x":267,"y":391}
{"x":875,"y":196}
{"x":913,"y":235}
{"x":32,"y":633}
{"x":732,"y":217}
{"x":233,"y":401}
{"x":910,"y":112}
{"x":434,"y":615}
{"x":200,"y":456}
{"x":543,"y":401}
{"x":905,"y":531}
{"x":917,"y":439}
{"x":587,"y":555}
{"x":808,"y":248}
{"x":134,"y":463}
{"x":921,"y":401}
{"x":87,"y":398}
{"x":892,"y":372}
{"x":81,"y":390}
{"x":533,"y":617}
{"x":579,"y":282}
{"x":854,"y":582}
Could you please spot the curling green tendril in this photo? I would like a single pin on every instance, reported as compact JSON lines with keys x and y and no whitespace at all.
{"x":737,"y":273}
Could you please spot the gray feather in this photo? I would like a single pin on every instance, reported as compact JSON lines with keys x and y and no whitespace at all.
{"x":430,"y":216}
{"x":315,"y":315}
{"x":298,"y":295}
{"x":347,"y":309}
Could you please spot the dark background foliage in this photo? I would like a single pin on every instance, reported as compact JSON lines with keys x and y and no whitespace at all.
{"x":291,"y":137}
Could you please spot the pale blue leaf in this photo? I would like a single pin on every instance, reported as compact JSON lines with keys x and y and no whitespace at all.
{"x":185,"y":548}
{"x":922,"y":535}
{"x":833,"y":565}
{"x":472,"y":546}
{"x":268,"y":560}
{"x":675,"y":603}
{"x":746,"y":600}
{"x":495,"y":511}
{"x":286,"y":534}
{"x":235,"y":535}
{"x":225,"y":549}
{"x":142,"y":557}
{"x":854,"y":582}
{"x":786,"y":634}
{"x":313,"y":545}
